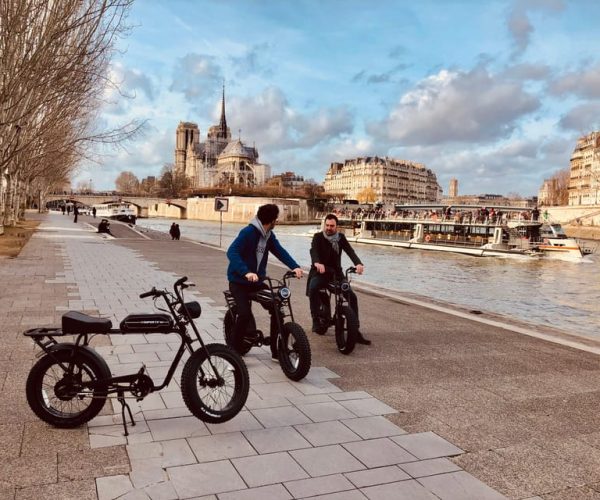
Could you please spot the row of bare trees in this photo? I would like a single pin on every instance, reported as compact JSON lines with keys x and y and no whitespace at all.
{"x":54,"y":57}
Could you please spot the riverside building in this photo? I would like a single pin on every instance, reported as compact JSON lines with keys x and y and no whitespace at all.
{"x":392,"y":180}
{"x":219,"y":161}
{"x":584,"y":181}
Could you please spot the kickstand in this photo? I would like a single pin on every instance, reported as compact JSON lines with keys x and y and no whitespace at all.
{"x":124,"y":405}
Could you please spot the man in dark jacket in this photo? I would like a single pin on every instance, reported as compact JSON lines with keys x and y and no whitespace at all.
{"x":326,"y":256}
{"x":248,"y":255}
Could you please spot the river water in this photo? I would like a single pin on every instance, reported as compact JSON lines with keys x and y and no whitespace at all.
{"x":559,"y":294}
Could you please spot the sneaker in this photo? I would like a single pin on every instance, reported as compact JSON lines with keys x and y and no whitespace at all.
{"x":362,"y":340}
{"x":319,"y":328}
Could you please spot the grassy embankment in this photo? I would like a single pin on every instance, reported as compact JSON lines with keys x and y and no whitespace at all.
{"x":15,"y":237}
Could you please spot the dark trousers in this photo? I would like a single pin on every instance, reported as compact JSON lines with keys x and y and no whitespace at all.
{"x":241,"y":294}
{"x":320,"y":281}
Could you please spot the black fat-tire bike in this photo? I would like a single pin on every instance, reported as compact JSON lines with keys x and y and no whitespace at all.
{"x":344,"y":318}
{"x":69,"y":385}
{"x":292,"y":347}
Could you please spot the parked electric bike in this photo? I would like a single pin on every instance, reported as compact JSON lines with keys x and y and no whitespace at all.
{"x":69,"y":385}
{"x":292,"y":347}
{"x":344,"y":318}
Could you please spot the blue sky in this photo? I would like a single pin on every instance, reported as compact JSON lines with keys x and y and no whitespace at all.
{"x":493,"y":93}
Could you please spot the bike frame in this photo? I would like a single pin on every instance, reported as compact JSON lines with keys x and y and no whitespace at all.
{"x":273,"y":302}
{"x":335,"y":287}
{"x":45,"y":339}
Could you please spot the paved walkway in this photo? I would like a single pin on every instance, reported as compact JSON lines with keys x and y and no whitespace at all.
{"x":293,"y":440}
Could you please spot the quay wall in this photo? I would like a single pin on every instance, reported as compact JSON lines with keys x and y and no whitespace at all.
{"x":240,"y":209}
{"x":588,"y":215}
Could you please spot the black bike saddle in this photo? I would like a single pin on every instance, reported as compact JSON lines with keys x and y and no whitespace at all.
{"x":74,"y":322}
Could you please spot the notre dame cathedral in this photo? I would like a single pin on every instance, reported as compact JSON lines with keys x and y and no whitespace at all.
{"x":219,"y":161}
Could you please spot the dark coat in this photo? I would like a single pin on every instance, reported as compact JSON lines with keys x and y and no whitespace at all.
{"x":321,"y":251}
{"x":242,"y":255}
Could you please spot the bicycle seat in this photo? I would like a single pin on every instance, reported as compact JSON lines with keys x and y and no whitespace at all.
{"x":74,"y":322}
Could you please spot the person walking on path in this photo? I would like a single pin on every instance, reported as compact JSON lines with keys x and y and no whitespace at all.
{"x":248,"y":255}
{"x":176,"y":232}
{"x":326,"y":257}
{"x":94,"y":212}
{"x":75,"y":212}
{"x":172,"y":231}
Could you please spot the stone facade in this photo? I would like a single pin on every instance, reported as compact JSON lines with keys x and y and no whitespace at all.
{"x":219,"y":161}
{"x":547,"y":192}
{"x":584,"y":182}
{"x":393,"y":181}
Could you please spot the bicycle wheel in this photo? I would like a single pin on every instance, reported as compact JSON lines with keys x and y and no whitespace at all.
{"x":218,"y":395}
{"x":346,"y":330}
{"x":65,"y":399}
{"x":294,"y":351}
{"x":229,"y":333}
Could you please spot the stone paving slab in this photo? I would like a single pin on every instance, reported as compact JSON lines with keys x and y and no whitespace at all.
{"x":293,"y":439}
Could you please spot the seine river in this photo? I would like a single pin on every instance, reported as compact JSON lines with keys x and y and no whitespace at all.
{"x":560,"y":294}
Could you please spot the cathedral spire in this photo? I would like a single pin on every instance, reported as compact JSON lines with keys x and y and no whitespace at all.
{"x":223,"y":123}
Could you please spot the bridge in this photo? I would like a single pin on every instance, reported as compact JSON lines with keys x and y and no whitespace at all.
{"x":141,"y":203}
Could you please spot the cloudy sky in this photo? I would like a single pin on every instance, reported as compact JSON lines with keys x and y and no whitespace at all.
{"x":493,"y":92}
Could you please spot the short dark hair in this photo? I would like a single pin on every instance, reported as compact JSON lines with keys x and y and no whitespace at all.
{"x":330,"y":217}
{"x":267,"y":213}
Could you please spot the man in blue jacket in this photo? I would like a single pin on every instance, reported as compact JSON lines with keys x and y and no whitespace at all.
{"x":248,"y":255}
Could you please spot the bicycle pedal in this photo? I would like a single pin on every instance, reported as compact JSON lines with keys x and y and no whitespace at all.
{"x":253,"y":337}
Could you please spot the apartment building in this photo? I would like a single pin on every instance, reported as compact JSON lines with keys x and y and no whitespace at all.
{"x":392,"y":180}
{"x":584,"y":181}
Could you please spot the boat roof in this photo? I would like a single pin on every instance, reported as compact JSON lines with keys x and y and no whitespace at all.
{"x":462,"y":207}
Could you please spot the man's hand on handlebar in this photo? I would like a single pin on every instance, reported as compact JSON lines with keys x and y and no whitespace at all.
{"x":298,"y":272}
{"x":360,"y":269}
{"x":319,"y":267}
{"x":251,"y":277}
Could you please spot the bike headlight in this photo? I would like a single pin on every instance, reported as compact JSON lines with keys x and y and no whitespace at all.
{"x":285,"y":293}
{"x":345,"y":286}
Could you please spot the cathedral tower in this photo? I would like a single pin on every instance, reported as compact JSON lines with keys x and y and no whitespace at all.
{"x":187,"y":134}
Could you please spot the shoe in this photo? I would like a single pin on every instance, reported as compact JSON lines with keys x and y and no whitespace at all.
{"x":362,"y":340}
{"x":319,"y":328}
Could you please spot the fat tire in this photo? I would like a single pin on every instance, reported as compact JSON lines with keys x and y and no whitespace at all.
{"x":42,"y":405}
{"x":226,"y":359}
{"x":294,"y":369}
{"x":346,"y":330}
{"x":241,"y":348}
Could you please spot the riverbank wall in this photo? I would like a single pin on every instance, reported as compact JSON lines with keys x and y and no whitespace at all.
{"x":239,"y":209}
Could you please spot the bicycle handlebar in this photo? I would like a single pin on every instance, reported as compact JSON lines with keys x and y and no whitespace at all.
{"x":152,"y":293}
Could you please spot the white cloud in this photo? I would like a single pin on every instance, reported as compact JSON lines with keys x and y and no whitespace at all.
{"x":197,"y":77}
{"x":273,"y":124}
{"x":456,"y":107}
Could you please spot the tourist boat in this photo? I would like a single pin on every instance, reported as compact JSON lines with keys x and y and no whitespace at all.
{"x":116,"y":211}
{"x":496,"y":231}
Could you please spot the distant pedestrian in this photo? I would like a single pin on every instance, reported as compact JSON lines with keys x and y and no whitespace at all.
{"x":177,"y":231}
{"x":68,"y":209}
{"x":63,"y":208}
{"x":94,"y":212}
{"x":172,"y":231}
{"x":75,"y":213}
{"x":535,"y":214}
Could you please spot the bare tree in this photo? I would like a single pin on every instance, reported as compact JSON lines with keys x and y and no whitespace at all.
{"x":127,"y":182}
{"x":558,"y":188}
{"x":172,"y":184}
{"x":53,"y":65}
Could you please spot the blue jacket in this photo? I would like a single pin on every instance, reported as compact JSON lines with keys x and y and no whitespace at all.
{"x":242,"y":255}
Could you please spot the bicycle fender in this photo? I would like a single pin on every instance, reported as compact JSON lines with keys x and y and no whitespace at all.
{"x":86,"y":350}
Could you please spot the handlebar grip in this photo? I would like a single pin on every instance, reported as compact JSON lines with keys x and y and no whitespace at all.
{"x":151,"y":293}
{"x":181,"y":281}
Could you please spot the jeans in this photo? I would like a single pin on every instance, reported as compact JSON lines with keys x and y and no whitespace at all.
{"x":320,"y":281}
{"x":241,"y":293}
